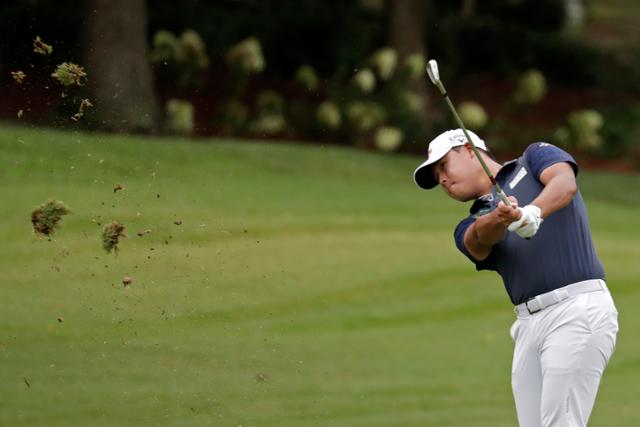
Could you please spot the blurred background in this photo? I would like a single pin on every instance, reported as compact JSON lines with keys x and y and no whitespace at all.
{"x":343,"y":72}
{"x":208,"y":215}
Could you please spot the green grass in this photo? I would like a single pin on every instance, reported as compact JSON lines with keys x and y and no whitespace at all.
{"x":305,"y":286}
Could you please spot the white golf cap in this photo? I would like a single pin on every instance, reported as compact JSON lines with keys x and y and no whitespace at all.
{"x":438,"y":148}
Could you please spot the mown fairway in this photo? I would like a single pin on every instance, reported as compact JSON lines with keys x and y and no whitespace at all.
{"x":303,"y":286}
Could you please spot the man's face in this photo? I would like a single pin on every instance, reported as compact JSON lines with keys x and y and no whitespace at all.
{"x":457,"y":174}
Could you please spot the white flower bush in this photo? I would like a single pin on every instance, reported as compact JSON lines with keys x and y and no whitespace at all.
{"x":179,"y":117}
{"x":365,"y":80}
{"x":246,"y":56}
{"x":328,"y":115}
{"x":473,"y":115}
{"x":532,"y":88}
{"x":388,"y":138}
{"x":384,"y":61}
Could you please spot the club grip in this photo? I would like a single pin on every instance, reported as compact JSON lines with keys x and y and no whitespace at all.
{"x":504,"y":197}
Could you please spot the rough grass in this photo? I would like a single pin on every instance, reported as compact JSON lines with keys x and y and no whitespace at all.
{"x":278,"y":285}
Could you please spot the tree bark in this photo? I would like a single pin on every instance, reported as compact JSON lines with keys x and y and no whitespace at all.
{"x":119,"y":73}
{"x":406,"y":36}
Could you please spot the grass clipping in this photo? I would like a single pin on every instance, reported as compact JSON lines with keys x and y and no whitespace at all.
{"x":111,"y":235}
{"x":46,"y":218}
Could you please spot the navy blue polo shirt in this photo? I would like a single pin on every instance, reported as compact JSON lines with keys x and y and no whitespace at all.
{"x":562,"y":250}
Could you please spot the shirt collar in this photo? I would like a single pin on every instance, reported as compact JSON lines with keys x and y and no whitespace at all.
{"x":481,"y":205}
{"x":507,"y":167}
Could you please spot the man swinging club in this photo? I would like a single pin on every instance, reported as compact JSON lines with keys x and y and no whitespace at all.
{"x":566,"y":325}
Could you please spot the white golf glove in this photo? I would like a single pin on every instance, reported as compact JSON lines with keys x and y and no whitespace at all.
{"x":528,"y":223}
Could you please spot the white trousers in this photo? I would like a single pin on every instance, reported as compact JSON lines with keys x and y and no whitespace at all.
{"x":559,"y":357}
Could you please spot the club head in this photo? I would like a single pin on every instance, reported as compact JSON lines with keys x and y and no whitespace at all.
{"x":432,"y":70}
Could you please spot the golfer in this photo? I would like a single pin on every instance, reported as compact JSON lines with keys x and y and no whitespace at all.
{"x":566,"y":322}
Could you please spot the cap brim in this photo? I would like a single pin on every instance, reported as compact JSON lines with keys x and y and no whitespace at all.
{"x":423,"y":176}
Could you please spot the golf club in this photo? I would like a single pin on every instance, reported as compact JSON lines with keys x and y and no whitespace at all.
{"x":434,"y":75}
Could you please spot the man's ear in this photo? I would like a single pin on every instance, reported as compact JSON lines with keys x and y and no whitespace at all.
{"x":469,"y":149}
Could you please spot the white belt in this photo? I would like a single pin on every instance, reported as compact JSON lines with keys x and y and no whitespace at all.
{"x":545,"y":300}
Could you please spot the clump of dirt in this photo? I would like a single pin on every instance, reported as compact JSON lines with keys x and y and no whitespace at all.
{"x":111,"y":235}
{"x":41,"y":47}
{"x":69,"y":74}
{"x":46,"y":218}
{"x":84,"y":103}
{"x":18,"y":76}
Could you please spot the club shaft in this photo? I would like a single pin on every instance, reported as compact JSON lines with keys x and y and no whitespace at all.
{"x":499,"y":190}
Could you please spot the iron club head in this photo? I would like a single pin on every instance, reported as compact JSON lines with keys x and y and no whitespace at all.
{"x":432,"y":70}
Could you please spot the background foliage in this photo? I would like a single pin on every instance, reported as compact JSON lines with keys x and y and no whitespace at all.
{"x":483,"y":48}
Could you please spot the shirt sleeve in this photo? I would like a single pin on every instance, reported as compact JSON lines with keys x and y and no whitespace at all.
{"x":541,"y":155}
{"x":458,"y":235}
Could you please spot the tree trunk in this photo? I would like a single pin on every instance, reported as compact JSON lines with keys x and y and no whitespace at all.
{"x":406,"y":36}
{"x":468,"y":8}
{"x":119,"y":74}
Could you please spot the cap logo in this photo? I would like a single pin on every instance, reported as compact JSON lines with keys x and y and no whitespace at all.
{"x":458,"y":138}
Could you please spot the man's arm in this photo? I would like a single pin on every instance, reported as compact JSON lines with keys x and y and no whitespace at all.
{"x":560,"y":186}
{"x":489,"y":229}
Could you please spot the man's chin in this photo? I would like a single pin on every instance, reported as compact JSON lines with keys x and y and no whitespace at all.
{"x":466,"y":198}
{"x":459,"y":197}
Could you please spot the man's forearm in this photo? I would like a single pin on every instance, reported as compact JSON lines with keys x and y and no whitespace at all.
{"x":489,"y":230}
{"x":485,"y":232}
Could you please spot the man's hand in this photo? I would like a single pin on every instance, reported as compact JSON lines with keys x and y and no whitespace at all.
{"x":528,"y":223}
{"x":506,"y":215}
